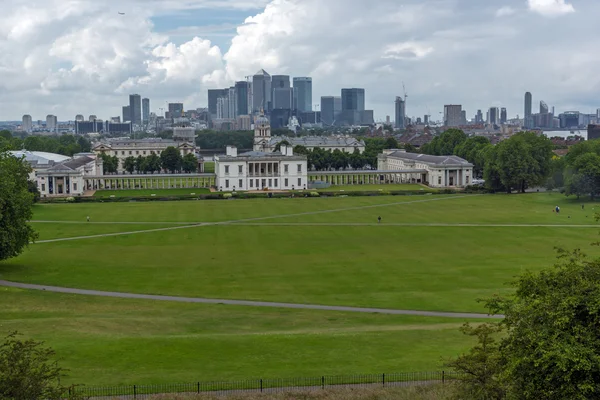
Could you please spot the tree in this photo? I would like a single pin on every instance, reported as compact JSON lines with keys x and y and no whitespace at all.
{"x":356,"y":160}
{"x":391,"y":143}
{"x":584,"y":176}
{"x":33,"y":189}
{"x":481,"y":367}
{"x":339,"y":159}
{"x":299,"y":149}
{"x":190,"y":163}
{"x":129,"y":164}
{"x":28,"y":371}
{"x":6,"y":134}
{"x":16,"y":203}
{"x":551,"y":347}
{"x":444,"y":144}
{"x":171,"y":159}
{"x":110,"y":164}
{"x":471,"y":150}
{"x":139,"y":164}
{"x":153,"y":163}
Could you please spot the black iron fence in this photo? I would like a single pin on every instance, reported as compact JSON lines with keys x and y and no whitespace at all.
{"x":266,"y":385}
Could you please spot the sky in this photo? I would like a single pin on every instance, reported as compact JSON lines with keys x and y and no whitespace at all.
{"x":68,"y":57}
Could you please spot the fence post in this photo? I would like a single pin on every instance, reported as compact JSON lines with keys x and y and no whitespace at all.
{"x":261,"y":386}
{"x":323,"y":382}
{"x":383,"y":379}
{"x":198,"y":387}
{"x":443,"y":377}
{"x":134,"y":392}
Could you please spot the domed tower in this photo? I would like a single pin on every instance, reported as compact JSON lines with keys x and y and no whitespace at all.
{"x":262,"y":134}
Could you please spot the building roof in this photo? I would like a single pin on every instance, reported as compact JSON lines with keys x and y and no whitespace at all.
{"x":319,"y":141}
{"x":262,"y":72}
{"x":260,"y":155}
{"x":71,"y":165}
{"x":142,"y":143}
{"x":38,"y":158}
{"x":433,"y":160}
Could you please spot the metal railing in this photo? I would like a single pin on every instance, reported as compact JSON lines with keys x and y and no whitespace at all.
{"x":276,"y":385}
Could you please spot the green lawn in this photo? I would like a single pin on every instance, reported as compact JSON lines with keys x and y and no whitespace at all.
{"x":149,"y":192}
{"x":304,"y":250}
{"x":119,"y":341}
{"x":375,"y":188}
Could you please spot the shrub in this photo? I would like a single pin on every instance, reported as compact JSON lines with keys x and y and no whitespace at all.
{"x":314,"y":194}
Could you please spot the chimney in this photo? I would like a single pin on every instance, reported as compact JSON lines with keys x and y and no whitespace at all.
{"x":290,"y":151}
{"x":232,"y":151}
{"x":283,"y":149}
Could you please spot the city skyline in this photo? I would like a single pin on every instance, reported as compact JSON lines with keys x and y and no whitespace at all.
{"x":541,"y":46}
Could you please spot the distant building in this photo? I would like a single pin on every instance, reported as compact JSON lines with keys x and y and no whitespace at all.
{"x":261,"y":91}
{"x":569,"y":119}
{"x":242,"y":92}
{"x":453,"y":115}
{"x":79,"y":117}
{"x":94,"y":126}
{"x":27,"y":125}
{"x":38,"y":160}
{"x":593,"y":132}
{"x":92,"y":118}
{"x":256,"y":170}
{"x":303,"y":94}
{"x":494,"y":116}
{"x":528,"y":118}
{"x":243,"y":122}
{"x":353,"y":99}
{"x":347,"y":144}
{"x":175,"y":110}
{"x":68,"y":178}
{"x":331,"y":107}
{"x":126,"y":114}
{"x":51,"y":123}
{"x":464,"y":117}
{"x":118,"y":128}
{"x":280,"y":118}
{"x":135,"y":108}
{"x":145,"y":111}
{"x":282,"y":92}
{"x":503,"y":115}
{"x":400,"y":108}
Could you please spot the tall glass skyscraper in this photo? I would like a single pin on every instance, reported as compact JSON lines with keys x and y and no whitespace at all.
{"x":145,"y":110}
{"x":261,"y":91}
{"x":242,"y":97}
{"x":331,"y":106}
{"x":303,"y":94}
{"x":135,"y":108}
{"x":353,"y":99}
{"x":400,"y":107}
{"x":528,"y":119}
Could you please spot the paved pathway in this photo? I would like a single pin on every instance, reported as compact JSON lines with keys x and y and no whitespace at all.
{"x":254,"y":219}
{"x":245,"y":302}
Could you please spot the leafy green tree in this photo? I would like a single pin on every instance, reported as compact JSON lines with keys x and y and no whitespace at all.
{"x":339,"y":159}
{"x":16,"y":203}
{"x":557,"y":170}
{"x":33,"y":189}
{"x":584,"y":176}
{"x":5,"y":144}
{"x":356,"y":160}
{"x":28,"y":371}
{"x":139,"y":164}
{"x":551,"y":347}
{"x":391,"y":143}
{"x":208,"y":139}
{"x":171,"y":159}
{"x":129,"y":164}
{"x":190,"y":163}
{"x":481,"y":368}
{"x":110,"y":164}
{"x":444,"y":144}
{"x":299,"y":149}
{"x":6,"y":134}
{"x":471,"y":150}
{"x":154,"y":163}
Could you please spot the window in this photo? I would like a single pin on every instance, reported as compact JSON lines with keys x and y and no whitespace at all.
{"x":285,"y":182}
{"x":227,"y":169}
{"x":439,"y":180}
{"x":144,"y":152}
{"x":467,"y":180}
{"x":299,"y":181}
{"x":286,"y":168}
{"x":137,"y":152}
{"x":74,"y":187}
{"x":270,"y":182}
{"x":227,"y":183}
{"x":43,"y":187}
{"x":276,"y":183}
{"x":299,"y":167}
{"x":240,"y":169}
{"x":240,"y":184}
{"x":251,"y":183}
{"x":122,"y":153}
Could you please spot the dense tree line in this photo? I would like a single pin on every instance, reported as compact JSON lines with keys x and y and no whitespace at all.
{"x":60,"y":144}
{"x":170,"y":160}
{"x":580,"y":170}
{"x":209,"y":139}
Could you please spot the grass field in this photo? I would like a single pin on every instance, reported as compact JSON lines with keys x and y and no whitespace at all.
{"x":149,"y":192}
{"x":375,"y":188}
{"x":430,"y":252}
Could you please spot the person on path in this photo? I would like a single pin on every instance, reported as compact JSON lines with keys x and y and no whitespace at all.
{"x":582,"y":206}
{"x":379,"y":220}
{"x":88,"y":218}
{"x":557,"y":209}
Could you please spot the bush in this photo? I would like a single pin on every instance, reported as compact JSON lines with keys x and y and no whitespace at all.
{"x":227,"y":195}
{"x":314,"y":194}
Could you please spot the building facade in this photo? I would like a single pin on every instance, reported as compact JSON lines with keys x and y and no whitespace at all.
{"x":126,"y":114}
{"x":27,"y":125}
{"x":68,"y":178}
{"x":331,"y":107}
{"x":261,"y":91}
{"x":145,"y":111}
{"x":242,"y":98}
{"x":135,"y":109}
{"x":400,"y":108}
{"x":435,"y":171}
{"x":257,"y":170}
{"x":453,"y":115}
{"x":51,"y":123}
{"x":303,"y":94}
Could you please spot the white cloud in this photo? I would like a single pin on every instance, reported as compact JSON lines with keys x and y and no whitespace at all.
{"x":505,"y":11}
{"x":407,"y":51}
{"x":551,"y":8}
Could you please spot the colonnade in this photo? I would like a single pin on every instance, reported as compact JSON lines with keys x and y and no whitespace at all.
{"x":362,"y":178}
{"x":149,"y":182}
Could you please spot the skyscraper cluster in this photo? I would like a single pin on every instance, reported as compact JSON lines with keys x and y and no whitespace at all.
{"x":138,"y":110}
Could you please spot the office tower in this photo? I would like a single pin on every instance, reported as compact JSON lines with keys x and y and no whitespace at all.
{"x":479,"y":117}
{"x":426,"y":119}
{"x":503,"y":116}
{"x":353,"y":99}
{"x":543,"y":107}
{"x":92,"y":118}
{"x":261,"y":91}
{"x":331,"y":106}
{"x":51,"y":123}
{"x":400,"y":107}
{"x":145,"y":110}
{"x":463,"y":118}
{"x":176,"y":110}
{"x":231,"y":98}
{"x":27,"y":124}
{"x":528,"y":118}
{"x":282,"y":92}
{"x":126,"y":114}
{"x":494,"y":116}
{"x":453,"y":115}
{"x":242,"y":91}
{"x":135,"y":109}
{"x":303,"y":94}
{"x":223,"y":107}
{"x":79,"y":118}
{"x":213,"y":96}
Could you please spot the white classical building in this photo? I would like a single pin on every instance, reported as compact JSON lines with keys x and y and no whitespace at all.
{"x":435,"y":171}
{"x":68,"y":178}
{"x":256,"y":170}
{"x":344,"y":143}
{"x":38,"y":160}
{"x":123,"y":148}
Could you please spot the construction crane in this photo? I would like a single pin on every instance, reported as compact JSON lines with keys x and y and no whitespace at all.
{"x":404,"y":90}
